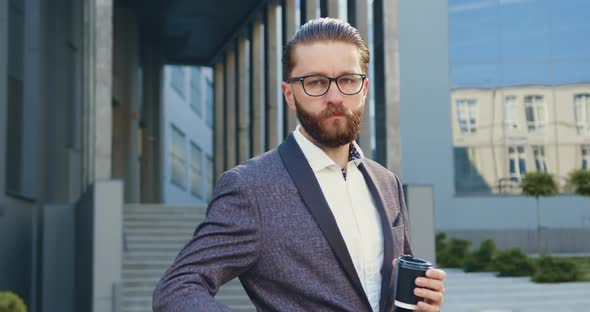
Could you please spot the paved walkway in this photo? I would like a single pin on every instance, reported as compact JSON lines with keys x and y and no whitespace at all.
{"x":484,"y":292}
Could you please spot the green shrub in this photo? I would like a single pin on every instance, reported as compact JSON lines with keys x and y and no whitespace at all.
{"x":555,"y":270}
{"x":440,"y":245}
{"x":512,"y":262}
{"x":539,"y":184}
{"x":11,"y":302}
{"x":579,"y":181}
{"x":480,"y":260}
{"x":454,"y":253}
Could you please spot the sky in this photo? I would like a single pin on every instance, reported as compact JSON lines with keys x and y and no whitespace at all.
{"x":496,"y":43}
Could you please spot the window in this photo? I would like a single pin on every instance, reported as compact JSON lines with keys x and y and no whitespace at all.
{"x":177,"y":79}
{"x":467,"y":115}
{"x":195,"y":170}
{"x":210,"y":103}
{"x":582,"y":113}
{"x":517,"y":162}
{"x":177,"y":158}
{"x":535,"y":112}
{"x":196,"y":90}
{"x":210,"y":177}
{"x":540,"y":163}
{"x":586,"y":157}
{"x":511,"y":113}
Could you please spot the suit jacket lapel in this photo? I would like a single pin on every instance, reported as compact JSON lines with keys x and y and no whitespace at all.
{"x":311,"y":193}
{"x":386,"y":218}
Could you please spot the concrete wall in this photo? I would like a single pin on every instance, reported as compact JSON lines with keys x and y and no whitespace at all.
{"x":552,"y":240}
{"x":424,"y":96}
{"x":58,"y":258}
{"x":99,"y":247}
{"x":16,"y":246}
{"x":84,"y":229}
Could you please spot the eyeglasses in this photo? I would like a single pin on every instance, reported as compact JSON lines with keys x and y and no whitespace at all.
{"x":318,"y":85}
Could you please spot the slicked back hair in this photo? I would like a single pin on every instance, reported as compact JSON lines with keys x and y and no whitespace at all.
{"x":325,"y":29}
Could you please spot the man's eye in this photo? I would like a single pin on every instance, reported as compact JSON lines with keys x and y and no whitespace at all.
{"x":317,"y":82}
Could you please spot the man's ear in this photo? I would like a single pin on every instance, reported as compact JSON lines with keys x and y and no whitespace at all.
{"x":289,"y":97}
{"x":366,"y":87}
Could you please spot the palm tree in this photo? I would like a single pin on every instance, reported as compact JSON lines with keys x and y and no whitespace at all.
{"x":539,"y":184}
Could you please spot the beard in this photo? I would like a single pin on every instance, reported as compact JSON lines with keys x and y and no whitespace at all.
{"x":331,"y":132}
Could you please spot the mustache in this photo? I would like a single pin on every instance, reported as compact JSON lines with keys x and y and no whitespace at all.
{"x":332,"y":110}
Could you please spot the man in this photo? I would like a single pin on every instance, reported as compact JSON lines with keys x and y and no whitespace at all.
{"x":312,"y":225}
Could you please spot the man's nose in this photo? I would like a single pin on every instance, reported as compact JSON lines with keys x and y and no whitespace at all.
{"x":334,"y":95}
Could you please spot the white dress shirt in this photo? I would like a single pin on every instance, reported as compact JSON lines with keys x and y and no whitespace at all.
{"x":354,"y":210}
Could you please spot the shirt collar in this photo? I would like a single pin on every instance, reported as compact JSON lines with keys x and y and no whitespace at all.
{"x":317,"y":158}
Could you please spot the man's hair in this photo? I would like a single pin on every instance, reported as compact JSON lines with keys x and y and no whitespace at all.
{"x":325,"y":29}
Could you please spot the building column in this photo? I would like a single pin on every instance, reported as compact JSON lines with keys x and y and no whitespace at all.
{"x":219,"y":139}
{"x":290,"y":25}
{"x":273,"y":75}
{"x":98,"y":219}
{"x":244,"y":143}
{"x":334,"y":9}
{"x":358,"y":16}
{"x":151,"y":164}
{"x":387,"y":87}
{"x":257,"y":87}
{"x":230,"y":109}
{"x":98,"y":91}
{"x":126,"y":89}
{"x":4,"y":9}
{"x":311,"y":9}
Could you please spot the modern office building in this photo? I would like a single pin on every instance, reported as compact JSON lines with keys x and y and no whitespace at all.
{"x":518,"y":79}
{"x":90,"y":153}
{"x":187,"y":135}
{"x":98,"y":150}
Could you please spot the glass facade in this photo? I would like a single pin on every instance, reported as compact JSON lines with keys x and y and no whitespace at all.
{"x":195,"y":171}
{"x":520,"y":91}
{"x":178,"y":158}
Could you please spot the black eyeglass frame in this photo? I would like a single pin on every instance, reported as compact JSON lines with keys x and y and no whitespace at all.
{"x":330,"y":79}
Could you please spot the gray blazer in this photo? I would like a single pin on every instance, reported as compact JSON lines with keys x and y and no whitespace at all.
{"x":270,"y":225}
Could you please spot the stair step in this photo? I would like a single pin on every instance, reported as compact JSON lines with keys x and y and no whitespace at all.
{"x":154,"y":235}
{"x":149,"y":237}
{"x":136,"y":247}
{"x":165,"y":216}
{"x":175,"y":224}
{"x":130,"y":274}
{"x":136,"y":254}
{"x":162,"y":231}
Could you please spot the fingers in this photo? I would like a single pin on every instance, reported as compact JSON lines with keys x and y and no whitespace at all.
{"x":394,"y":263}
{"x":425,"y":307}
{"x":432,"y":289}
{"x":429,"y":295}
{"x":430,"y":283}
{"x":436,"y":274}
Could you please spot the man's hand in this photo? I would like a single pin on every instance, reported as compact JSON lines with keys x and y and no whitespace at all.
{"x":431,"y":288}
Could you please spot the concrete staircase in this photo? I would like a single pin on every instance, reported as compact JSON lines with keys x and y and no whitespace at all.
{"x":154,"y":234}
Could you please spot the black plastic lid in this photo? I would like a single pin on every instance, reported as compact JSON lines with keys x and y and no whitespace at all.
{"x":410,"y":262}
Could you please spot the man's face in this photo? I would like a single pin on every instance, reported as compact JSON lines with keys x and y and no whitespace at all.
{"x":333,"y":119}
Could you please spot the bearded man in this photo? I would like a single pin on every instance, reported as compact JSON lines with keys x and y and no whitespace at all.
{"x":312,"y":225}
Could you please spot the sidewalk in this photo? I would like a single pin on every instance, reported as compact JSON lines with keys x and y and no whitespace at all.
{"x":484,"y":292}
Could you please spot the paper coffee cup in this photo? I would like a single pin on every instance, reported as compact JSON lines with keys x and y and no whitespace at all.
{"x":408,"y":269}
